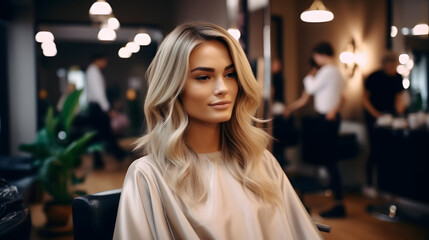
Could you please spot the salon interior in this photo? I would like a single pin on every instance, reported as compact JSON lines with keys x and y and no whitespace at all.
{"x":46,"y":46}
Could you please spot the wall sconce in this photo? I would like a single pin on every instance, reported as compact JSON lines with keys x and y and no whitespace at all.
{"x":349,"y":58}
{"x":317,"y":13}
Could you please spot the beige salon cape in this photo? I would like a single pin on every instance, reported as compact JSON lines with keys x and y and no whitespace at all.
{"x":149,"y":210}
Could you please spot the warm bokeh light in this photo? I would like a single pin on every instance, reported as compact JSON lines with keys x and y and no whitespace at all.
{"x":113,"y":23}
{"x":393,"y":31}
{"x":106,"y":34}
{"x":43,"y":94}
{"x":406,"y":83}
{"x":421,"y":29}
{"x":50,"y":52}
{"x":44,"y":36}
{"x":132,"y":47}
{"x":315,"y":16}
{"x":142,"y":39}
{"x":235,"y":33}
{"x":403,"y":58}
{"x":100,"y":8}
{"x":347,"y":57}
{"x":131,"y":94}
{"x":410,"y":64}
{"x":403,"y":70}
{"x":124,"y":53}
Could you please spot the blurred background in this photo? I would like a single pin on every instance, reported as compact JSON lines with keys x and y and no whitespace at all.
{"x":38,"y":71}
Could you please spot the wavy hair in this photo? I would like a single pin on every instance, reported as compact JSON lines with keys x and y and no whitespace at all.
{"x":242,"y":143}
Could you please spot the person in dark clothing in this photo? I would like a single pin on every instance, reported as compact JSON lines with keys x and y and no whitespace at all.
{"x":382,"y":95}
{"x":282,"y":126}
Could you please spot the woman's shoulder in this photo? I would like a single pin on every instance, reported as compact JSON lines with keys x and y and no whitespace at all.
{"x":145,"y":164}
{"x":271,"y":163}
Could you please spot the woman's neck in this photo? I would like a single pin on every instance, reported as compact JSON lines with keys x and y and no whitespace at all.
{"x":203,"y":137}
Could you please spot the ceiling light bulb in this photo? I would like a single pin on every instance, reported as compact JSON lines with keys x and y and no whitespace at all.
{"x":113,"y":23}
{"x":44,"y":36}
{"x":50,"y":52}
{"x":132,"y":47}
{"x":403,"y":58}
{"x":421,"y":29}
{"x":124,"y":53}
{"x":142,"y":39}
{"x":106,"y":34}
{"x":317,"y":13}
{"x":100,"y":8}
{"x":48,"y":45}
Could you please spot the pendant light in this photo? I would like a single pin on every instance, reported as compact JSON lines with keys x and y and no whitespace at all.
{"x":100,"y":7}
{"x":317,"y":13}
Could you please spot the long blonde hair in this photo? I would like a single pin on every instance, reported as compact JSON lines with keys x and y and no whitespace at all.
{"x":242,"y":143}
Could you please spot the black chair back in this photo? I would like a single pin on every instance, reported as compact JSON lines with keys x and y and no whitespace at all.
{"x":94,"y":215}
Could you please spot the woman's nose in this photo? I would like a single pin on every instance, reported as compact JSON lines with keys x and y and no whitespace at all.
{"x":220,"y":86}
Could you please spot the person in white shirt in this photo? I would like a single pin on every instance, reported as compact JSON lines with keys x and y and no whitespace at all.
{"x":95,"y":82}
{"x":98,"y":109}
{"x":325,"y":83}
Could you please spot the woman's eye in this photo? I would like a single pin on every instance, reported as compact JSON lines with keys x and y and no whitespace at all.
{"x":202,"y":78}
{"x":231,"y":75}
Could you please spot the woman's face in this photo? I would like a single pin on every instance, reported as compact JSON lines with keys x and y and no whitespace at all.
{"x":211,"y":86}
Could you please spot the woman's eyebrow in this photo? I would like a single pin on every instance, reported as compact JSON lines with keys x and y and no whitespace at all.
{"x":207,"y":69}
{"x":229,"y":66}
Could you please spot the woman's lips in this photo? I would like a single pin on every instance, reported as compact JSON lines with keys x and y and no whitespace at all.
{"x":220,"y":104}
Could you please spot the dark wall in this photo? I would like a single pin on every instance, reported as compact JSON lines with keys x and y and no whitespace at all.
{"x":4,"y":103}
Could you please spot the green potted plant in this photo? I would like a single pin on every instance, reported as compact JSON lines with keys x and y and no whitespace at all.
{"x":57,"y":155}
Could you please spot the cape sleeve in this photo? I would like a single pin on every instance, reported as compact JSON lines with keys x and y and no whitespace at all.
{"x":140,"y":212}
{"x":302,"y":225}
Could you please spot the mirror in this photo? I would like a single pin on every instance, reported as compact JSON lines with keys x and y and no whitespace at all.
{"x":407,"y":17}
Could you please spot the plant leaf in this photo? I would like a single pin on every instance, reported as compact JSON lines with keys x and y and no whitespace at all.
{"x":50,"y":124}
{"x":76,"y":148}
{"x":69,"y":110}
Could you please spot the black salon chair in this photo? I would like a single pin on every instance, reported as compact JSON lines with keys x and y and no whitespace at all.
{"x":94,"y":216}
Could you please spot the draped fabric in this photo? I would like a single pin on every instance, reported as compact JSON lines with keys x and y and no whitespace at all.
{"x":149,"y":210}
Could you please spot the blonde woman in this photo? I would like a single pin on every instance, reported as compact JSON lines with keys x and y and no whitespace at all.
{"x":206,"y":173}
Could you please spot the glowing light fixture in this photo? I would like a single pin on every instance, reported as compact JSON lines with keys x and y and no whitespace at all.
{"x":48,"y":45}
{"x":347,"y":57}
{"x":393,"y":31}
{"x":132,"y":47}
{"x":142,"y":39}
{"x":50,"y":52}
{"x":403,"y":70}
{"x":421,"y":29}
{"x":124,"y":53}
{"x":235,"y":33}
{"x":317,"y":13}
{"x":100,"y":7}
{"x":106,"y":34}
{"x":44,"y":36}
{"x":403,"y":58}
{"x":113,"y":23}
{"x":406,"y":83}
